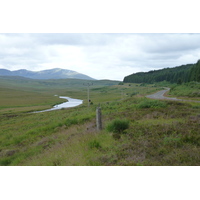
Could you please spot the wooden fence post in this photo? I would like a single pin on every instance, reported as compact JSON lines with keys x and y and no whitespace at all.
{"x":98,"y":119}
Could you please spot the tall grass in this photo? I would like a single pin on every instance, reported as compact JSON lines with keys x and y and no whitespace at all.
{"x":191,"y":89}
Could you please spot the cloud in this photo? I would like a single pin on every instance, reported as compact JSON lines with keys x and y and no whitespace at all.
{"x":102,"y":56}
{"x":75,"y":39}
{"x":166,"y":43}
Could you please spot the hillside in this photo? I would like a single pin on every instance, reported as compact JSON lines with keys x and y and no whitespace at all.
{"x":56,"y":73}
{"x":27,"y":83}
{"x":183,"y":73}
{"x":195,"y":72}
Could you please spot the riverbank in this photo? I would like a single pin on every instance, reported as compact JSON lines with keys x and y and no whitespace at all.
{"x":69,"y":104}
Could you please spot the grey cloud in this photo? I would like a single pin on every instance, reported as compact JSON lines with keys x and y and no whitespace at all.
{"x":92,"y":53}
{"x":163,"y":43}
{"x":73,"y":39}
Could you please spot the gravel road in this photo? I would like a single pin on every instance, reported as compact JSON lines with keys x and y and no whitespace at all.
{"x":160,"y":95}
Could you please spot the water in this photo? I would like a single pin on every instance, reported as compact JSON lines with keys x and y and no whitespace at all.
{"x":69,"y":104}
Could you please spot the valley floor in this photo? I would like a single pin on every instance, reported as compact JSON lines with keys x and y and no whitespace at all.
{"x":160,"y":132}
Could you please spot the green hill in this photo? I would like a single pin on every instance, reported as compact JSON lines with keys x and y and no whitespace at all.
{"x":183,"y":73}
{"x":40,"y":85}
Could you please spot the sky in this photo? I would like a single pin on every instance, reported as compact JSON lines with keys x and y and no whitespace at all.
{"x":99,"y":55}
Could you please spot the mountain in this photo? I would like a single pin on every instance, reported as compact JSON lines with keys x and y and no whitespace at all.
{"x":56,"y":73}
{"x":183,"y":73}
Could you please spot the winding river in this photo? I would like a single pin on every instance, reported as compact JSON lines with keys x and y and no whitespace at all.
{"x":70,"y":103}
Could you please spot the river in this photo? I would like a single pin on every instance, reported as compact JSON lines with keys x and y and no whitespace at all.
{"x":69,"y":104}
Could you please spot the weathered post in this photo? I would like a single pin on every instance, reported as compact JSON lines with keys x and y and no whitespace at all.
{"x":88,"y":95}
{"x":98,"y":119}
{"x":88,"y":92}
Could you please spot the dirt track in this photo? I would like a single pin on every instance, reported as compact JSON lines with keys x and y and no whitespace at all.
{"x":160,"y":95}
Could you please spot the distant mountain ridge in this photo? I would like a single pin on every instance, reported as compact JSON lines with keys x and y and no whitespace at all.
{"x":55,"y":73}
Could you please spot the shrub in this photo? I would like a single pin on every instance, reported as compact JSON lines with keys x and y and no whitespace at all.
{"x":5,"y":161}
{"x":94,"y":144}
{"x":118,"y":126}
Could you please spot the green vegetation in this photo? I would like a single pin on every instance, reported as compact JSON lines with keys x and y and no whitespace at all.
{"x":195,"y":72}
{"x":22,"y":94}
{"x":117,"y":127}
{"x":191,"y":89}
{"x":179,"y":75}
{"x":136,"y":130}
{"x":150,"y":103}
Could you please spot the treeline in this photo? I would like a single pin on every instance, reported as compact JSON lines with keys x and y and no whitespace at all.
{"x":195,"y":72}
{"x":183,"y":73}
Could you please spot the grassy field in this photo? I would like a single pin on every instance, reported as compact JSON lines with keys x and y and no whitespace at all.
{"x":158,"y":132}
{"x":186,"y":90}
{"x":26,"y":95}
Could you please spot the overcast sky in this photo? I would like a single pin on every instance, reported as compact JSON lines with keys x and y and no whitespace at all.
{"x":101,"y":56}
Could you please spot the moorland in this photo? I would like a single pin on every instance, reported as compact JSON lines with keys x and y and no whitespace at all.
{"x":137,"y":131}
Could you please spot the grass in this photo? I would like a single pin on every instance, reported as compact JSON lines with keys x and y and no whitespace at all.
{"x":147,"y":103}
{"x":158,"y":132}
{"x":187,"y":90}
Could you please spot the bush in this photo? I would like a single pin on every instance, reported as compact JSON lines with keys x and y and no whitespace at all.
{"x":94,"y":144}
{"x":118,"y":126}
{"x":148,"y":103}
